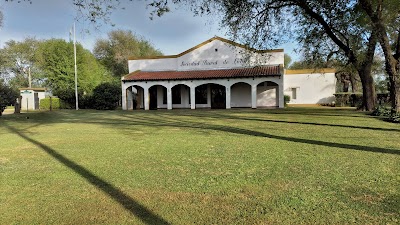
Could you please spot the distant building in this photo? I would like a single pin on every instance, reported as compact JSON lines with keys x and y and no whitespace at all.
{"x":219,"y":73}
{"x":30,"y":98}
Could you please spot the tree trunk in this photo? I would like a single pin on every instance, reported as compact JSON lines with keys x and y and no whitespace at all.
{"x":395,"y":93}
{"x":368,"y":86}
{"x":354,"y":83}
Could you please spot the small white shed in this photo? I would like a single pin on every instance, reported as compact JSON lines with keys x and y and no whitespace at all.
{"x":30,"y":97}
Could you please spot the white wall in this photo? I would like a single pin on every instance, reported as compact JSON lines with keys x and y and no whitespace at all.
{"x":28,"y":99}
{"x":241,"y":95}
{"x":213,"y":55}
{"x":266,"y":96}
{"x":311,"y":88}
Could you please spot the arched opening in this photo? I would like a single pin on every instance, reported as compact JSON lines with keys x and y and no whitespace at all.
{"x":218,"y":96}
{"x":241,"y":95}
{"x":135,"y":97}
{"x":180,"y":95}
{"x":156,"y":97}
{"x":210,"y":96}
{"x":268,"y":94}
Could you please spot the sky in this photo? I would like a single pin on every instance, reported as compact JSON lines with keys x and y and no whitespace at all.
{"x":172,"y":33}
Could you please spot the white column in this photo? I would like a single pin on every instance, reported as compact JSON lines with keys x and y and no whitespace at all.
{"x":280,"y":96}
{"x":123,"y":96}
{"x":193,"y":97}
{"x":169,"y":98}
{"x":228,"y":97}
{"x":254,"y":96}
{"x":146,"y":98}
{"x":129,"y":97}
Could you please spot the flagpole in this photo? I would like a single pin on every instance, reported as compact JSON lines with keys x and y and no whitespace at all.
{"x":76,"y":73}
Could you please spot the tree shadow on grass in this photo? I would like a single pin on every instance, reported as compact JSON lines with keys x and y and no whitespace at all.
{"x":219,"y":116}
{"x":134,"y":207}
{"x":179,"y":122}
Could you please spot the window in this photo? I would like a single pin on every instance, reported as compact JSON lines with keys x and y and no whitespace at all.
{"x":176,"y":94}
{"x":201,"y":94}
{"x":294,"y":93}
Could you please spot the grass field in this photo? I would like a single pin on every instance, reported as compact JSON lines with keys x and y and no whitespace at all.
{"x":264,"y":166}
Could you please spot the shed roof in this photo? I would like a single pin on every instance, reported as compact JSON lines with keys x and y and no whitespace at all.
{"x":32,"y":89}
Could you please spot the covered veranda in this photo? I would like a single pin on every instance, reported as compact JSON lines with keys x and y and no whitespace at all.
{"x":223,"y":88}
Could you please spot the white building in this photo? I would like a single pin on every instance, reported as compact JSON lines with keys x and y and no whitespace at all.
{"x":30,"y":98}
{"x":219,"y":73}
{"x":310,"y":86}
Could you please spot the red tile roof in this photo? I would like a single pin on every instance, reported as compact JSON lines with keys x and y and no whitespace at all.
{"x":203,"y":74}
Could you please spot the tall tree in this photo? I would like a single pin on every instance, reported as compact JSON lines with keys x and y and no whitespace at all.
{"x":385,"y":18}
{"x":16,"y":59}
{"x":120,"y":45}
{"x":56,"y":59}
{"x":8,"y":96}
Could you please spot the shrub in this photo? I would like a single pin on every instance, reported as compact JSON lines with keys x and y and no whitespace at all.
{"x":8,"y":96}
{"x":286,"y":99}
{"x":86,"y":102}
{"x":56,"y":103}
{"x":68,"y":97}
{"x":395,"y":118}
{"x":381,"y":111}
{"x":106,"y":96}
{"x":387,"y":113}
{"x":348,"y":99}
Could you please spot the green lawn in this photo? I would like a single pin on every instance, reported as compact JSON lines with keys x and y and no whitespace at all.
{"x":239,"y":166}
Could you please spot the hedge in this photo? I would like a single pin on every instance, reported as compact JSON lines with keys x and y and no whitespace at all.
{"x":56,"y":103}
{"x":355,"y":99}
{"x":348,"y":99}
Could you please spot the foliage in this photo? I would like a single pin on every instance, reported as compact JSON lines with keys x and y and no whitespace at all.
{"x":114,"y":52}
{"x":106,"y":96}
{"x":394,"y":117}
{"x":385,"y":20}
{"x":381,"y":111}
{"x":86,"y":102}
{"x":348,"y":99}
{"x":56,"y":59}
{"x":387,"y":113}
{"x":68,"y":97}
{"x":15,"y":59}
{"x":286,"y":99}
{"x":239,"y":166}
{"x":56,"y":103}
{"x":8,"y":96}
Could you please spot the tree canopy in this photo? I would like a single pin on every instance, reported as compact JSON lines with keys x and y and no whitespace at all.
{"x":16,"y":58}
{"x":8,"y":96}
{"x":114,"y":51}
{"x":385,"y":19}
{"x":55,"y":58}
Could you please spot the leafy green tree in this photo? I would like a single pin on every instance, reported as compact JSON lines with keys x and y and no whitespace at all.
{"x":55,"y":57}
{"x":121,"y":45}
{"x":16,"y":58}
{"x":385,"y":19}
{"x":8,"y":96}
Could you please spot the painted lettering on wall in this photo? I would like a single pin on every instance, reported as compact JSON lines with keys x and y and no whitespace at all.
{"x":213,"y":62}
